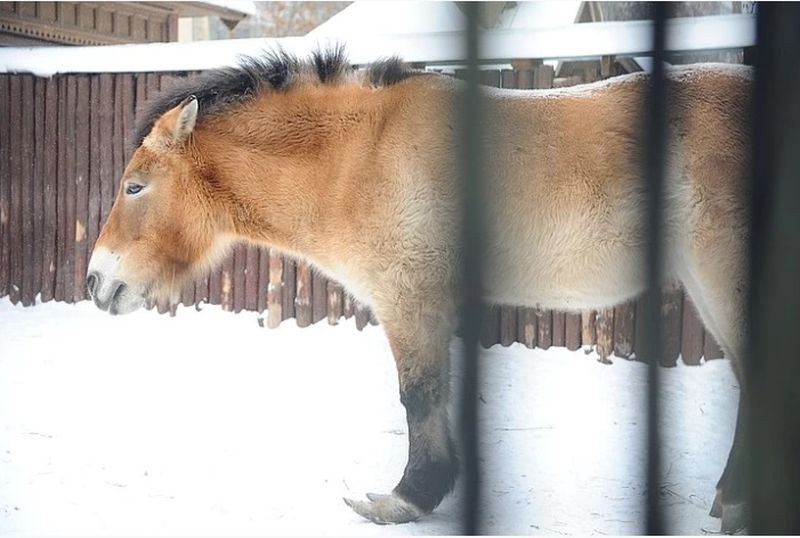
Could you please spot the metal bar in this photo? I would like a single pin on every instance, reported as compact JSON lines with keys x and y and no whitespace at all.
{"x":656,"y":139}
{"x":471,"y":165}
{"x":772,"y":367}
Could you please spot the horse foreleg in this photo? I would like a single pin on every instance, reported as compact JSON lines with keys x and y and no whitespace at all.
{"x":730,"y":503}
{"x":421,"y":354}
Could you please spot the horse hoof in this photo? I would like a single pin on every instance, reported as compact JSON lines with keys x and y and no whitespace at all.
{"x":385,"y":509}
{"x":716,"y":507}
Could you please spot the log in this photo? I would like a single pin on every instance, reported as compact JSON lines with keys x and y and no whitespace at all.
{"x":692,"y":334}
{"x":573,"y":331}
{"x":624,"y":320}
{"x":508,"y":325}
{"x":588,"y":331}
{"x":559,"y":329}
{"x":302,"y":302}
{"x":604,"y":322}
{"x":275,"y":289}
{"x":527,"y":329}
{"x":334,"y":303}
{"x":544,"y":328}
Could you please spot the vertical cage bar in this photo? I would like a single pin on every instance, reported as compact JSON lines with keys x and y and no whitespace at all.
{"x":471,"y":189}
{"x":655,"y":151}
{"x":772,"y":367}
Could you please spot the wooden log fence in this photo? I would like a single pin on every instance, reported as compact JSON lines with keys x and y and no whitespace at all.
{"x":64,"y":142}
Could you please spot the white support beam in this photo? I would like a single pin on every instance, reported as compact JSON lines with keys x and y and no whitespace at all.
{"x":577,"y":41}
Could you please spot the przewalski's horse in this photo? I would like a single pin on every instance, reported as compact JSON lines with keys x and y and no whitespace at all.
{"x":355,"y":171}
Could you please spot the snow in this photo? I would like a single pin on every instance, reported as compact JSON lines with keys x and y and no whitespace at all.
{"x":413,"y":17}
{"x":573,"y":41}
{"x":242,"y":6}
{"x":207,"y":424}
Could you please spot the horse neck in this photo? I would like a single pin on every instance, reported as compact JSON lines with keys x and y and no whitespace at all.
{"x":281,"y":161}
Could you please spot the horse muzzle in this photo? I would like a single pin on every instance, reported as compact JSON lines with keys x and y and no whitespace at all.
{"x":109,"y":292}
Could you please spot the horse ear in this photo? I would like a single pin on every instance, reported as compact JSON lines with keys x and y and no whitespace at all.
{"x":186,"y":119}
{"x":176,"y":125}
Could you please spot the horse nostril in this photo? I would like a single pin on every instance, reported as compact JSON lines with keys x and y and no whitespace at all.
{"x":91,"y":282}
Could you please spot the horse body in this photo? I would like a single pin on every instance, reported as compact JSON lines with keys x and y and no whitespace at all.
{"x":361,"y":180}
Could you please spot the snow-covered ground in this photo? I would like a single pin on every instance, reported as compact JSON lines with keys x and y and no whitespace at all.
{"x":207,"y":424}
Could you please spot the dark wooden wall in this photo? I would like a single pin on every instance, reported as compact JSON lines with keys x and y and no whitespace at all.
{"x":64,"y":142}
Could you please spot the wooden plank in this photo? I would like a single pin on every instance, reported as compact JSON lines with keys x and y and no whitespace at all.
{"x":361,"y":313}
{"x":348,"y":305}
{"x":491,"y":78}
{"x":525,"y":79}
{"x":573,"y":331}
{"x":588,"y":332}
{"x":105,"y":161}
{"x":559,"y":329}
{"x":251,"y":278}
{"x":543,"y":76}
{"x":334,"y":302}
{"x":5,"y":182}
{"x":153,"y":84}
{"x":239,"y":275}
{"x":604,"y":323}
{"x":82,"y":149}
{"x":15,"y":218}
{"x":201,"y":292}
{"x":607,"y":66}
{"x":544,"y":328}
{"x":711,"y":349}
{"x":226,"y":281}
{"x":50,"y":172}
{"x":289,"y":287}
{"x":39,"y":261}
{"x":71,"y":187}
{"x":508,"y":325}
{"x":96,"y":145}
{"x":490,"y":326}
{"x":187,"y":294}
{"x":527,"y":329}
{"x":215,"y":286}
{"x":127,"y":117}
{"x":508,"y":78}
{"x":263,"y":278}
{"x":691,"y":334}
{"x":122,"y":84}
{"x":140,"y":96}
{"x":624,"y":324}
{"x":275,"y":289}
{"x":61,"y":190}
{"x":671,"y":319}
{"x":27,"y":145}
{"x":302,"y":302}
{"x":319,"y":296}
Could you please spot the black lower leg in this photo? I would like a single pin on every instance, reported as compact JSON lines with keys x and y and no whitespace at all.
{"x":432,"y":463}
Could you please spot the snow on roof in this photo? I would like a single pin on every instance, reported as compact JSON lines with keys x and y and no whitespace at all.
{"x":414,"y":17}
{"x":242,"y":6}
{"x":382,"y":17}
{"x":544,"y":14}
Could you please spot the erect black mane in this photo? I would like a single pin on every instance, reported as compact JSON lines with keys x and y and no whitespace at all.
{"x":276,"y":70}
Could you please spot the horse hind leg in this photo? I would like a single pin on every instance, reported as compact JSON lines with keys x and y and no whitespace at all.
{"x":718,"y":290}
{"x":419,"y":343}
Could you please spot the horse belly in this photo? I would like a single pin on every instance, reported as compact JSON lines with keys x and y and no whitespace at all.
{"x":566,"y":257}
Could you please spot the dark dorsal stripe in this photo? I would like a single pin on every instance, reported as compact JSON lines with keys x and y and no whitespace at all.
{"x":276,"y":70}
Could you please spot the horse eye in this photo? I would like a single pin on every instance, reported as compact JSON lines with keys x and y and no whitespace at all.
{"x":133,"y":188}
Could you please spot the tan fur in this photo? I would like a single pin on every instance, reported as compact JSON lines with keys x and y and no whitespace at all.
{"x":362,"y":182}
